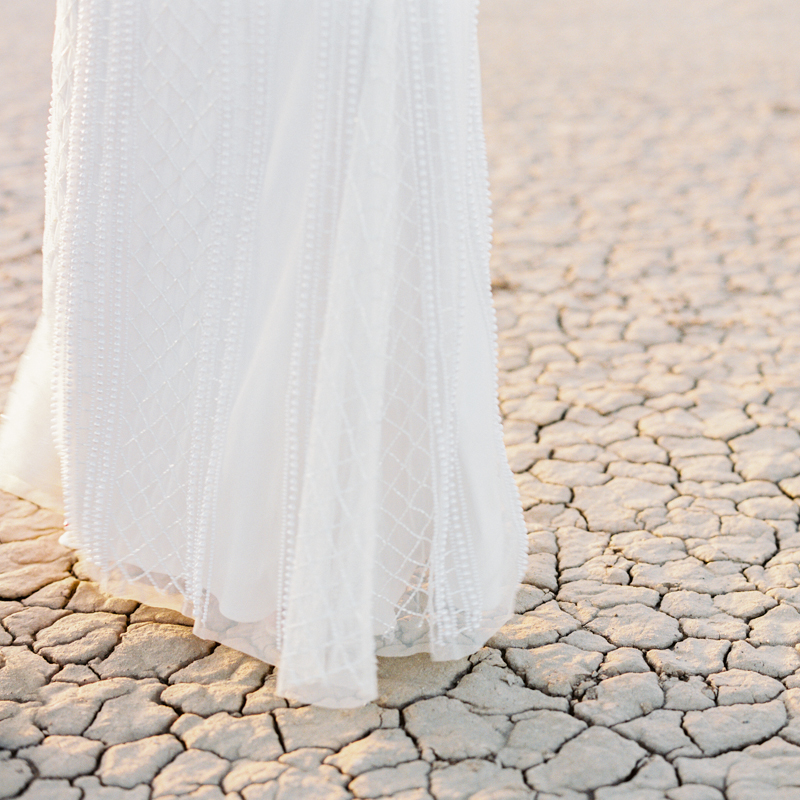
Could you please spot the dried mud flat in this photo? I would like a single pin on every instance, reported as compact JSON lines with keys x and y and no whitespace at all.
{"x":646,"y":175}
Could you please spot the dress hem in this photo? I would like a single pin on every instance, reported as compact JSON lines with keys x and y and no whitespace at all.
{"x":149,"y":595}
{"x":25,"y":491}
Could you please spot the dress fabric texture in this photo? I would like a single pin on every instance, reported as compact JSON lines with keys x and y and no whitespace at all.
{"x":262,"y":386}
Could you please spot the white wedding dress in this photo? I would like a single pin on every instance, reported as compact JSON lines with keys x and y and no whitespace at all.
{"x":263,"y":381}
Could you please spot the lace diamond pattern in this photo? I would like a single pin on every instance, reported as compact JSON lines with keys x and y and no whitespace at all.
{"x":173,"y":214}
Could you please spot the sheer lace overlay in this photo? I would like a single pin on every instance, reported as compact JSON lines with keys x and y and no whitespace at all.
{"x":267,"y":344}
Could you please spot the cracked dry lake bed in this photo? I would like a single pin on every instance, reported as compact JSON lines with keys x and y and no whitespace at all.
{"x":646,"y":177}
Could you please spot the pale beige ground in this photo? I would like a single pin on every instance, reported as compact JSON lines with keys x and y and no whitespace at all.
{"x":646,"y":174}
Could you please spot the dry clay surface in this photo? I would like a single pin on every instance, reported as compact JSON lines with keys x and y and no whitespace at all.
{"x":646,"y":173}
